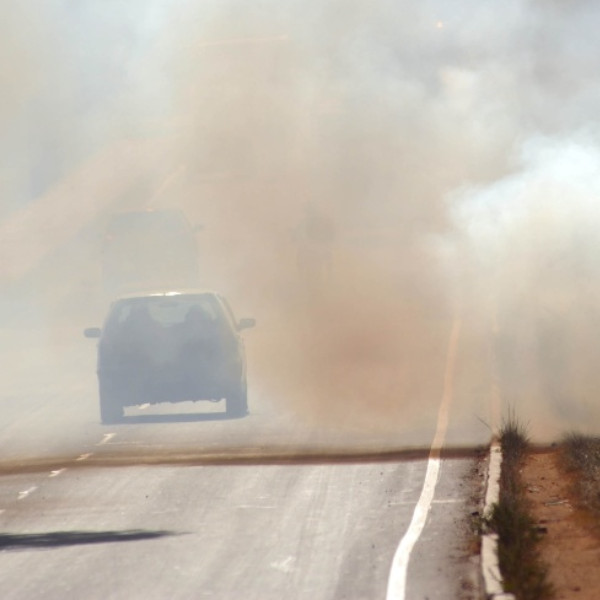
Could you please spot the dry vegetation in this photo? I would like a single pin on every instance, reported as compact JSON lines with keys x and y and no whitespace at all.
{"x":580,"y":458}
{"x":523,"y":573}
{"x":528,"y":567}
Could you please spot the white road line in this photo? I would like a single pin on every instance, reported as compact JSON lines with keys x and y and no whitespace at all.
{"x":26,"y":493}
{"x":57,"y":472}
{"x":396,"y":589}
{"x":84,"y":456}
{"x":144,"y":406}
{"x":107,"y":437}
{"x":410,"y":502}
{"x":286,"y":565}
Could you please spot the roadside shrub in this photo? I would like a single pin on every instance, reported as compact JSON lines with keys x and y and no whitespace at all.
{"x":518,"y":535}
{"x":580,"y":457}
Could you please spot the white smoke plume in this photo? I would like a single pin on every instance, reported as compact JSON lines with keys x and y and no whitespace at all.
{"x":453,"y":144}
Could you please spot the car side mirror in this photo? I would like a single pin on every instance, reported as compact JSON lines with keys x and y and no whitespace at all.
{"x":92,"y":332}
{"x":246,"y":323}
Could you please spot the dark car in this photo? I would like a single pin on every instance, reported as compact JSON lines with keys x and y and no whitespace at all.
{"x":170,"y":347}
{"x":149,"y":249}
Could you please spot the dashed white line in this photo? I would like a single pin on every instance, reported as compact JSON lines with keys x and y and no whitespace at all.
{"x":144,"y":406}
{"x":286,"y":565}
{"x":26,"y":493}
{"x":57,"y":472}
{"x":107,"y":437}
{"x":84,"y":456}
{"x":396,"y":589}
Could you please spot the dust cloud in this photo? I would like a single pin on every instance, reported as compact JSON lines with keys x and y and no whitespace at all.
{"x":452,"y":147}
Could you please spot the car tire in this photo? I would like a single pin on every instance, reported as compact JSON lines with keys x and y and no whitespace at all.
{"x":237,"y":402}
{"x":111,"y":410}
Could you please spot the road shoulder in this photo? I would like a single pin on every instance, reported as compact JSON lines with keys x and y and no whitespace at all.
{"x":569,"y":548}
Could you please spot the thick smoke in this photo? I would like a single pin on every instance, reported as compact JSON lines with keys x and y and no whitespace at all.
{"x":533,"y":247}
{"x":453,"y":146}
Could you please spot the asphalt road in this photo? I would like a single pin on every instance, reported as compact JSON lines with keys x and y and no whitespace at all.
{"x":179,"y":502}
{"x":314,"y":495}
{"x":318,"y":531}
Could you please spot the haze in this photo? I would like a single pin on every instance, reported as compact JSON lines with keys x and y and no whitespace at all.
{"x":455,"y":146}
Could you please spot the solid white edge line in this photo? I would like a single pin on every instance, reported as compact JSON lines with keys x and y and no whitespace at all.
{"x":396,"y":588}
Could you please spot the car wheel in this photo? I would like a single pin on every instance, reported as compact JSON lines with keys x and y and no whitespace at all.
{"x":237,"y":402}
{"x":111,"y":410}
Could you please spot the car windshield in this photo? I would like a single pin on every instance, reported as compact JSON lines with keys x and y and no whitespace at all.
{"x":167,"y":310}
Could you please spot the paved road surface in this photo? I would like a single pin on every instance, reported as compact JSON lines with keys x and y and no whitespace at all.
{"x":299,"y":500}
{"x":303,"y":527}
{"x":179,"y":502}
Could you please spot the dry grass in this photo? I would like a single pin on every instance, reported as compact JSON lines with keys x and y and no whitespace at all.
{"x":580,"y":457}
{"x":518,"y":536}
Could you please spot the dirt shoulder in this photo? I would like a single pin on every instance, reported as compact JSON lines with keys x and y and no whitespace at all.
{"x":569,"y":548}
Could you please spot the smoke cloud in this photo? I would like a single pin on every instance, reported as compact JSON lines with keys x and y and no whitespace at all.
{"x":454,"y":147}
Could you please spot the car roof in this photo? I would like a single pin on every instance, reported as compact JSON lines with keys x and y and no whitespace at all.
{"x":167,"y":294}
